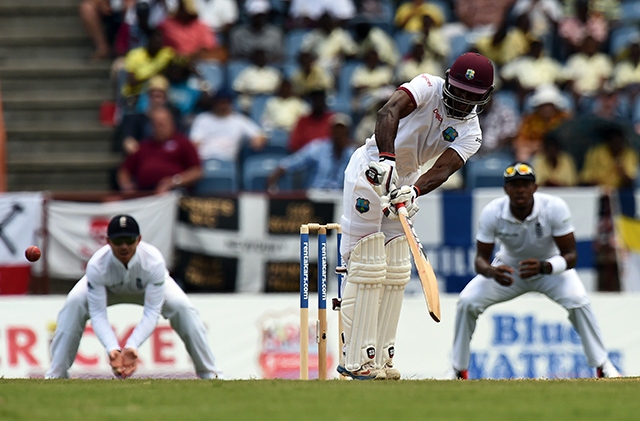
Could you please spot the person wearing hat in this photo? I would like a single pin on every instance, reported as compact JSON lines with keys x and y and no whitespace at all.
{"x":325,"y":158}
{"x":537,"y":253}
{"x":127,"y":270}
{"x":549,"y":109}
{"x":427,"y":118}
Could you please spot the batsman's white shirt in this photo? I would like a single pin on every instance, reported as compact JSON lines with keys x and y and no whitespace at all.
{"x":146,"y":273}
{"x":422,"y":135}
{"x":531,"y":238}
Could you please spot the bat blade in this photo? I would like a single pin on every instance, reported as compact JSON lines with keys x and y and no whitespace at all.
{"x":425,"y":270}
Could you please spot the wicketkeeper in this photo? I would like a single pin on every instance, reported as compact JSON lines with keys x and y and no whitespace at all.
{"x":127,"y":270}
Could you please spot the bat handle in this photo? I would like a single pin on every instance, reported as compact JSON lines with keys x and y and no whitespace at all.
{"x":402,"y":209}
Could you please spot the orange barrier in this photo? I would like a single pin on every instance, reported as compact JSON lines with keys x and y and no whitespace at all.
{"x":3,"y":149}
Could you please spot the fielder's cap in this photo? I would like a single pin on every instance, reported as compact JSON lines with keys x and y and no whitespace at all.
{"x":341,"y":118}
{"x":256,"y":7}
{"x":123,"y":226}
{"x":472,"y":72}
{"x":519,"y":171}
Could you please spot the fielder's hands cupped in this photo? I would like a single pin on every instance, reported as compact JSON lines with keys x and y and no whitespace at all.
{"x":382,"y":175}
{"x":115,"y":360}
{"x":405,"y":195}
{"x":529,"y":267}
{"x":502,"y":275}
{"x":129,"y":362}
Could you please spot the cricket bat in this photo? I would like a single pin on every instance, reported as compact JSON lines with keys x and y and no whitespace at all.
{"x":425,"y":270}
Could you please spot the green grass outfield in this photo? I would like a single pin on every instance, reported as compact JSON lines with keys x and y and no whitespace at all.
{"x":182,"y":400}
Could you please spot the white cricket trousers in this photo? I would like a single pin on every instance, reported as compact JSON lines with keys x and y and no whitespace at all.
{"x":565,"y":289}
{"x":177,"y":308}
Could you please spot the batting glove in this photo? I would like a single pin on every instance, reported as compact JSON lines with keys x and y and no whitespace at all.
{"x":382,"y":174}
{"x":406,"y":195}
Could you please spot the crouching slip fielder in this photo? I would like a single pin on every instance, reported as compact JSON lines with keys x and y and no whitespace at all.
{"x":127,"y":270}
{"x":425,"y":118}
{"x":537,"y":253}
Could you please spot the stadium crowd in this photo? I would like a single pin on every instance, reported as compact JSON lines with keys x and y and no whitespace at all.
{"x":254,"y":81}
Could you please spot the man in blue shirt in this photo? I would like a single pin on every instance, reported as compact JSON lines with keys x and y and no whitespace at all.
{"x":326,"y":157}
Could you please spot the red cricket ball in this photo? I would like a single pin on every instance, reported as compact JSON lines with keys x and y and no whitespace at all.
{"x":32,"y":253}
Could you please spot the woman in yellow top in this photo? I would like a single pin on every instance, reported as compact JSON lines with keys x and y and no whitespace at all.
{"x":554,"y":166}
{"x":611,"y":164}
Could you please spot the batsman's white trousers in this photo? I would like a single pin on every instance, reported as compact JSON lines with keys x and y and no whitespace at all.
{"x":362,"y":210}
{"x":177,"y":308}
{"x":565,"y":289}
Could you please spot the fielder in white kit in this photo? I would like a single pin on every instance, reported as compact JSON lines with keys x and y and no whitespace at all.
{"x":127,"y":270}
{"x":537,"y":253}
{"x":425,"y":118}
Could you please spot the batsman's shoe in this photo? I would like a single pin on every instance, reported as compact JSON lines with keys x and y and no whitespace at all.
{"x":607,"y":370}
{"x":462,"y":374}
{"x":387,"y":372}
{"x":366,"y":372}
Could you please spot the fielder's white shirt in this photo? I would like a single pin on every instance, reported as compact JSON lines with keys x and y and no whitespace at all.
{"x":427,"y":131}
{"x":145,"y":274}
{"x":531,"y":238}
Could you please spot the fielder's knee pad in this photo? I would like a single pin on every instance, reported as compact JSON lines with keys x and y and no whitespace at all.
{"x":398,"y":276}
{"x":366,"y":271}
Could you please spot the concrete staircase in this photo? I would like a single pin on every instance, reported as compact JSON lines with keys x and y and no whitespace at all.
{"x":51,"y":98}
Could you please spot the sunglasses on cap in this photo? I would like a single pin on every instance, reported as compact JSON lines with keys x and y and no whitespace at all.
{"x":123,"y":240}
{"x":521,"y":169}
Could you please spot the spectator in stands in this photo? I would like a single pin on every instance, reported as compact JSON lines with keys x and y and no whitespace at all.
{"x":544,"y":16}
{"x":587,"y":71}
{"x":417,"y":62}
{"x":554,"y":166}
{"x":314,"y":125}
{"x":331,"y":43}
{"x":307,"y":13}
{"x":612,"y":163}
{"x":434,"y":42}
{"x":368,"y":36}
{"x":409,"y":16}
{"x":580,"y":22}
{"x":526,"y":72}
{"x":283,"y":110}
{"x":327,"y":156}
{"x":258,"y":34}
{"x":549,"y":111}
{"x":220,"y":132}
{"x":137,"y":126}
{"x":101,"y":20}
{"x":477,"y":14}
{"x":168,"y":161}
{"x":506,"y":43}
{"x":138,"y":25}
{"x":368,"y":77}
{"x":258,"y":79}
{"x":500,"y":124}
{"x":609,"y":106}
{"x":219,"y":15}
{"x":189,"y":36}
{"x":140,"y":64}
{"x":626,"y":73}
{"x":310,"y":76}
{"x":182,"y":93}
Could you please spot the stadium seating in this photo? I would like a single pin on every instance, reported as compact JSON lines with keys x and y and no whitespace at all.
{"x":234,"y":67}
{"x":220,"y":176}
{"x":257,"y":168}
{"x":486,"y":171}
{"x":213,"y":72}
{"x":258,"y":103}
{"x":292,"y":42}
